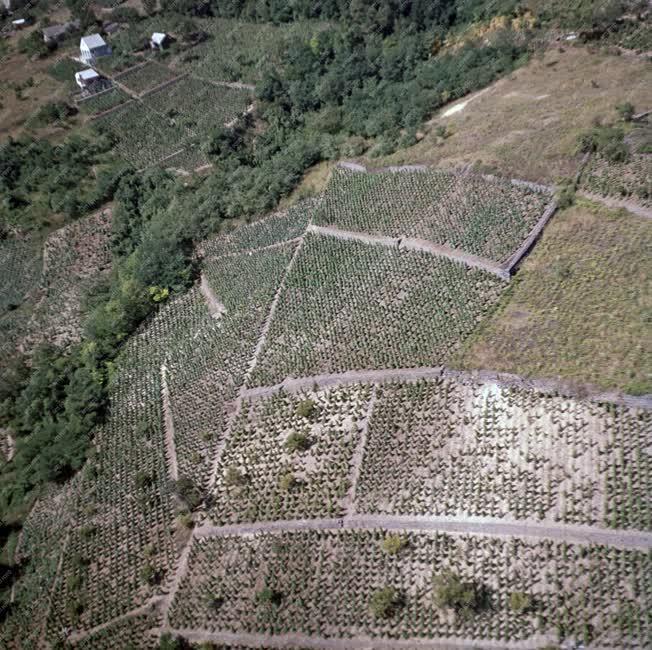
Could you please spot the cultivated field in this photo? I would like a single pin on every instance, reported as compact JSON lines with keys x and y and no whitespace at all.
{"x":349,"y":306}
{"x":487,"y":218}
{"x":322,"y":583}
{"x":579,"y":306}
{"x":143,"y":77}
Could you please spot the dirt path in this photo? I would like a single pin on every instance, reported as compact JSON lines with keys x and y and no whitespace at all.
{"x":215,"y":308}
{"x":295,"y":385}
{"x":490,"y":526}
{"x":252,"y":251}
{"x":611,"y":202}
{"x":150,"y":605}
{"x":358,"y":455}
{"x":296,"y":640}
{"x":168,"y":424}
{"x":411,"y":244}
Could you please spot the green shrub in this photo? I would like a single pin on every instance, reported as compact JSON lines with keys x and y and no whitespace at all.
{"x":392,"y":544}
{"x":269,"y":597}
{"x":287,"y":482}
{"x":450,"y":591}
{"x":384,"y":602}
{"x":307,"y":409}
{"x":297,"y":442}
{"x":625,"y":111}
{"x":520,"y":602}
{"x":233,"y":477}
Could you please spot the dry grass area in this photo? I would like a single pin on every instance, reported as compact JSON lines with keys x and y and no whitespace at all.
{"x":314,"y":182}
{"x":580,"y":306}
{"x":526,"y":125}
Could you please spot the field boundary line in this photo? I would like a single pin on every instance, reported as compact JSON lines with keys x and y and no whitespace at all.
{"x":168,"y":425}
{"x":358,"y":455}
{"x":215,"y":307}
{"x":250,"y":251}
{"x":295,"y":639}
{"x":146,"y":608}
{"x":465,"y":525}
{"x":385,"y":375}
{"x":161,"y":86}
{"x":410,"y":244}
{"x":612,"y":202}
{"x":113,"y":108}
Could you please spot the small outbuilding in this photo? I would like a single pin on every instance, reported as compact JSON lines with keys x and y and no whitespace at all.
{"x":158,"y":41}
{"x":93,"y":47}
{"x":56,"y":33}
{"x":86,"y":78}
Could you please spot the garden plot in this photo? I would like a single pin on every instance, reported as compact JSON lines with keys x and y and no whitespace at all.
{"x":290,"y":456}
{"x":322,"y":583}
{"x":103,"y":101}
{"x":143,"y":136}
{"x":141,"y":78}
{"x":462,"y":447}
{"x":20,"y":266}
{"x":276,"y":228}
{"x":488,"y":218}
{"x":198,"y":105}
{"x":74,"y":257}
{"x":352,"y":306}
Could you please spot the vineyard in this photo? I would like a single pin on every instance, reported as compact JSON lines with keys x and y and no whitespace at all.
{"x":198,"y":105}
{"x":141,"y":78}
{"x":627,"y":180}
{"x":486,"y":217}
{"x":236,"y":50}
{"x":325,"y":583}
{"x":352,"y":306}
{"x":20,"y":266}
{"x":74,"y":258}
{"x":290,"y":456}
{"x":461,"y":447}
{"x":278,"y":227}
{"x":103,"y":101}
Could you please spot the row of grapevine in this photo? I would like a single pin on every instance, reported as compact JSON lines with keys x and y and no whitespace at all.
{"x":352,"y":306}
{"x":330,"y":584}
{"x":140,"y":78}
{"x":486,"y":217}
{"x":103,"y":101}
{"x":464,"y":447}
{"x":626,"y":180}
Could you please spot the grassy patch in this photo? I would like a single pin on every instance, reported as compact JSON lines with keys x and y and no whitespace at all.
{"x":580,"y":308}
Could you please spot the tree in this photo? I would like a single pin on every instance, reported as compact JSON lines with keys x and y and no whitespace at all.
{"x":233,"y":477}
{"x":297,"y":442}
{"x":392,"y":544}
{"x":520,"y":602}
{"x":450,"y":591}
{"x":307,"y":409}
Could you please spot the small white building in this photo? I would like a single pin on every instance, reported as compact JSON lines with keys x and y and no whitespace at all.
{"x":86,"y":78}
{"x":158,"y":41}
{"x":93,"y":47}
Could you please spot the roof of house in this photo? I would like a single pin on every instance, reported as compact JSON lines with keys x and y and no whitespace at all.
{"x":54,"y":30}
{"x":20,"y":21}
{"x":92,"y":41}
{"x":87,"y":75}
{"x":158,"y":37}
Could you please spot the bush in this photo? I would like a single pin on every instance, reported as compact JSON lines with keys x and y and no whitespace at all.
{"x":307,"y":409}
{"x":188,"y":492}
{"x":607,"y":141}
{"x":269,"y":597}
{"x":385,"y":602}
{"x":287,"y":482}
{"x":520,"y":602}
{"x":233,"y":477}
{"x":625,"y":111}
{"x":565,"y":196}
{"x":392,"y":544}
{"x":297,"y":442}
{"x":450,"y":591}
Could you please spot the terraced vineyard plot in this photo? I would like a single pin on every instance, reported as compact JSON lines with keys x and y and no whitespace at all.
{"x":207,"y":361}
{"x":323,"y":584}
{"x":198,"y":105}
{"x":352,"y":306}
{"x":143,"y":136}
{"x":188,"y":160}
{"x":237,"y":51}
{"x":20,"y":266}
{"x":145,"y":77}
{"x":488,"y":218}
{"x":282,"y":463}
{"x":279,"y":227}
{"x":628,"y":180}
{"x":132,"y":633}
{"x":74,"y":258}
{"x":103,"y":101}
{"x":452,"y":447}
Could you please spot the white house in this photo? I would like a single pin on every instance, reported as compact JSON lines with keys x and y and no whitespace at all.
{"x":158,"y":40}
{"x":86,"y":78}
{"x":93,"y":47}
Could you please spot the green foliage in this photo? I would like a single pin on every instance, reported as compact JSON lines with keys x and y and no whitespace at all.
{"x":450,"y":591}
{"x":307,"y":409}
{"x":287,"y":482}
{"x":393,"y":543}
{"x":565,"y":196}
{"x":520,"y":602}
{"x":384,"y":602}
{"x":608,"y":141}
{"x":269,"y":597}
{"x":188,"y":492}
{"x":233,"y":477}
{"x":625,"y":111}
{"x":297,"y":442}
